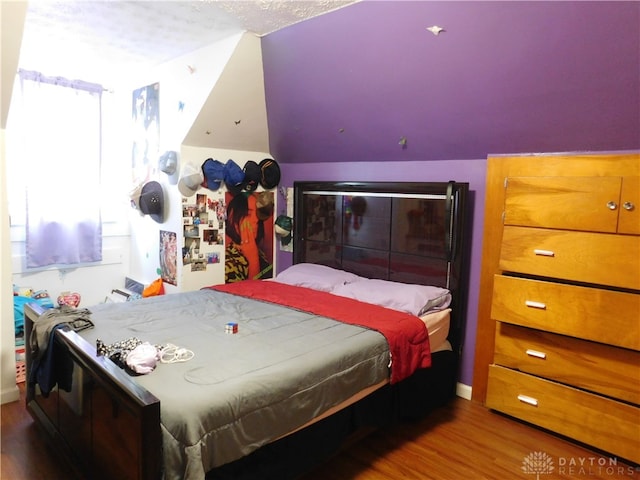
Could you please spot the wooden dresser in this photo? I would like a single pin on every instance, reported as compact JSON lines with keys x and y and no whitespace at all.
{"x":560,"y":296}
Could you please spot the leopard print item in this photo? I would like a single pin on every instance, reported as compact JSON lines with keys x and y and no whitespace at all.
{"x":117,"y":352}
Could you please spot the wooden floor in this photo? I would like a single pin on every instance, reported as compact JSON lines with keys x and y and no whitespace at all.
{"x":463,"y":440}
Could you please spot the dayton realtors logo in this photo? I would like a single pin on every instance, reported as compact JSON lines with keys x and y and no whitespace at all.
{"x":538,"y":463}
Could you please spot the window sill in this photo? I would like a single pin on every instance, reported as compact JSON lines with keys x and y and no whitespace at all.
{"x":110,"y":256}
{"x":109,"y":229}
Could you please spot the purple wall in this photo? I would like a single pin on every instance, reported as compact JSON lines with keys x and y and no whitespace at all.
{"x":505,"y":77}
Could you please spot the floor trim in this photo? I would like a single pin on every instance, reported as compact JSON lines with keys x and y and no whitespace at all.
{"x":463,"y":391}
{"x":8,"y":395}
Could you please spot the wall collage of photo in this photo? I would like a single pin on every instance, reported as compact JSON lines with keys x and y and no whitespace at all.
{"x":203,"y":218}
{"x":232,"y":231}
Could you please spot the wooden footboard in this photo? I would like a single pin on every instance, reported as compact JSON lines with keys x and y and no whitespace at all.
{"x":107,"y":426}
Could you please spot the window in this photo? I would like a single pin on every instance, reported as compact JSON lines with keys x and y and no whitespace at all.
{"x":54,"y":152}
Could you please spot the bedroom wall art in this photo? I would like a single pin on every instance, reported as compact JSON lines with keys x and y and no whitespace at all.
{"x":249,"y":236}
{"x":145,"y":114}
{"x":169,"y":257}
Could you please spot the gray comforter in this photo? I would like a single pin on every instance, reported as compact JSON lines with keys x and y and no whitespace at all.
{"x":240,"y":391}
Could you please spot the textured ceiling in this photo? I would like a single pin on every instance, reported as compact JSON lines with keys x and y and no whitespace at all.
{"x":97,"y":40}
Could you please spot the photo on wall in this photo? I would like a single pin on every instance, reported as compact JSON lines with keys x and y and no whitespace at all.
{"x":190,"y":250}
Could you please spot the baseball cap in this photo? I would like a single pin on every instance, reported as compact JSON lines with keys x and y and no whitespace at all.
{"x":152,"y":201}
{"x":213,"y":171}
{"x":252,"y":175}
{"x":190,"y":180}
{"x":269,"y":173}
{"x":283,"y":228}
{"x":233,"y":177}
{"x":168,"y":162}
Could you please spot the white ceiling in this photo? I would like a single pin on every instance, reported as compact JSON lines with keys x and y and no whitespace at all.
{"x":94,"y":40}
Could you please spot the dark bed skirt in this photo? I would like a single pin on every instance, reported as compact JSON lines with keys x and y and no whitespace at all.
{"x":296,"y":454}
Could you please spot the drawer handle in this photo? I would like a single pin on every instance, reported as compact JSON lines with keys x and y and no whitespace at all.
{"x":528,"y":400}
{"x":544,"y":253}
{"x":532,"y":304}
{"x":536,"y":353}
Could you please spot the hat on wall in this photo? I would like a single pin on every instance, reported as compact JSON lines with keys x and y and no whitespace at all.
{"x":190,"y":180}
{"x":213,"y":171}
{"x":252,"y":175}
{"x":134,"y":196}
{"x":233,"y":177}
{"x":269,"y":173}
{"x":152,"y":201}
{"x":283,"y":228}
{"x":168,"y":162}
{"x":264,"y":205}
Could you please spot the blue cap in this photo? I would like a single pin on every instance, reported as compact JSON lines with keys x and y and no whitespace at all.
{"x":233,"y":176}
{"x":213,"y":171}
{"x":168,"y":162}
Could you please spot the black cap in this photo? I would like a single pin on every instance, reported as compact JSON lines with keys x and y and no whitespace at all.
{"x":151,"y":201}
{"x":269,"y":173}
{"x":252,"y":176}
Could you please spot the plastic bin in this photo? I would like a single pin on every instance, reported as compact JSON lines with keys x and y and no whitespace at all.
{"x":21,"y":366}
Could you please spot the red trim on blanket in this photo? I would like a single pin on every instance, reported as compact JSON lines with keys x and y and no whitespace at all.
{"x":406,"y":334}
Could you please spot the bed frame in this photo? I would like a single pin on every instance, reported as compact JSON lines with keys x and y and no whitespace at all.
{"x":109,"y":427}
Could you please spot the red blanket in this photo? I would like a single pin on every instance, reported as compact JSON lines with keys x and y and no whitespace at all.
{"x":406,"y":334}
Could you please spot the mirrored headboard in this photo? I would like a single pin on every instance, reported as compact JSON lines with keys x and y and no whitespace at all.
{"x":401,"y":231}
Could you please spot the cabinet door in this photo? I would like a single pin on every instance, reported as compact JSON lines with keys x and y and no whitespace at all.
{"x":569,"y":203}
{"x":630,"y":206}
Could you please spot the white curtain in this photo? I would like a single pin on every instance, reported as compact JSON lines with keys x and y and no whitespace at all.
{"x":59,"y":151}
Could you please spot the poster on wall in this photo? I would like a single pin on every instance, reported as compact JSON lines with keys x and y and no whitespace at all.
{"x":249,"y":236}
{"x":146,"y":132}
{"x":203,"y":231}
{"x":169,"y":257}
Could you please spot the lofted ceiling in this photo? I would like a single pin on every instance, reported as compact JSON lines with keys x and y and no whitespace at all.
{"x":97,"y":40}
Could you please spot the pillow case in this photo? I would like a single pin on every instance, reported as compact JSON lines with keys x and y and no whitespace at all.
{"x":318,"y":277}
{"x":406,"y":297}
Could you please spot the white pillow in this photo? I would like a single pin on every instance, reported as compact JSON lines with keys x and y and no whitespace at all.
{"x":406,"y":297}
{"x":318,"y":277}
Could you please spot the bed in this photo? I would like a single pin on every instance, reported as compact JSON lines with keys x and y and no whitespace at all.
{"x":364,"y":329}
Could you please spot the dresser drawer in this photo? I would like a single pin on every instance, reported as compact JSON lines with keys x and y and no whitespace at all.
{"x":594,"y":314}
{"x":598,"y":258}
{"x":611,"y":371}
{"x":598,"y":421}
